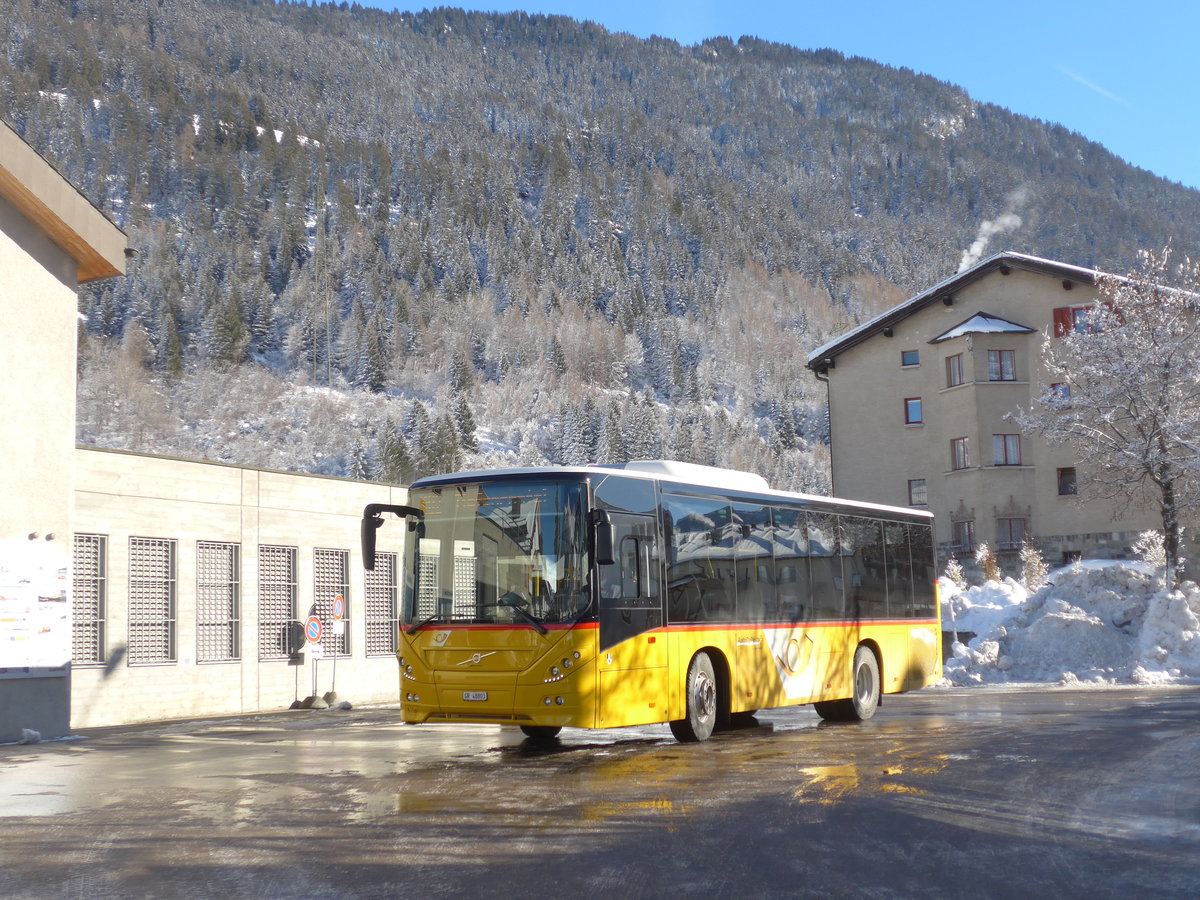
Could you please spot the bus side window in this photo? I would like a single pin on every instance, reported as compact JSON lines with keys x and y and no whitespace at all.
{"x":825,"y":555}
{"x":899,"y":571}
{"x":924,"y":569}
{"x":792,"y":601}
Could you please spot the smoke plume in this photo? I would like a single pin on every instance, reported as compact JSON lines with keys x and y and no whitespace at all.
{"x":1008,"y":220}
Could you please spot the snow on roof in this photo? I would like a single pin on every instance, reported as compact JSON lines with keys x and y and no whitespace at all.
{"x":983,"y":323}
{"x":821,"y":358}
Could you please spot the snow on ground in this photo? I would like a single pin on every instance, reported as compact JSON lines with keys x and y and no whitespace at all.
{"x":1098,"y":623}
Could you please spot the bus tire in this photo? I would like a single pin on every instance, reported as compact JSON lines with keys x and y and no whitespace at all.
{"x":864,"y":679}
{"x":541,"y":732}
{"x":702,"y":702}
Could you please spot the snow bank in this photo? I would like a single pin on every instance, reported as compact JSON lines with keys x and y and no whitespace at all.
{"x":1109,"y":625}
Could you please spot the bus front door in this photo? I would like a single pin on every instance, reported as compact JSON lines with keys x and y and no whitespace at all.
{"x":633,"y":649}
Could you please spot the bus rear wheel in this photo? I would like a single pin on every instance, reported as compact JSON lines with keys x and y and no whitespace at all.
{"x":702,"y":702}
{"x":865,"y":680}
{"x":541,"y":732}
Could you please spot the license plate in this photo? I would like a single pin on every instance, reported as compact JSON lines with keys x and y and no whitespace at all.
{"x":475,"y":695}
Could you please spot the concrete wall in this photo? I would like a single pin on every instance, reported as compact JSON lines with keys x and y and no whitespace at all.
{"x":51,"y":238}
{"x":121,"y":496}
{"x":875,"y":453}
{"x":37,"y":432}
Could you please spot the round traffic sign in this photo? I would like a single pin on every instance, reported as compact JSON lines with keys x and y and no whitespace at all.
{"x":312,"y":629}
{"x":339,"y":607}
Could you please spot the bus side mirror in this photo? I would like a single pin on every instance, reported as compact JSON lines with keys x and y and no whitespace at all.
{"x":369,"y":526}
{"x":606,"y":538}
{"x":373,"y":518}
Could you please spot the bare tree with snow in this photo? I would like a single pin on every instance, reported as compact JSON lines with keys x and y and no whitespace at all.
{"x":1125,"y":394}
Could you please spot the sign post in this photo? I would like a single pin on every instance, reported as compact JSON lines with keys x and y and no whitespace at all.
{"x":338,"y":628}
{"x":313,"y":631}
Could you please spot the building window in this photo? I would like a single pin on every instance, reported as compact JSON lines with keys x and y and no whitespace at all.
{"x":331,"y":580}
{"x":89,"y":594}
{"x":1010,"y":533}
{"x":1060,"y":395}
{"x":954,"y":370}
{"x":152,"y":591}
{"x":960,"y":453}
{"x":1006,"y":449}
{"x":1080,"y":319}
{"x":913,"y":414}
{"x":380,"y":604}
{"x":910,"y":357}
{"x":964,"y":536}
{"x":1002,"y":365}
{"x":918,"y":495}
{"x":276,"y":600}
{"x":218,"y":601}
{"x":1066,"y":482}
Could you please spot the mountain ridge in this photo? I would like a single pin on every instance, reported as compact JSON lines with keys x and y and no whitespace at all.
{"x":530,"y":227}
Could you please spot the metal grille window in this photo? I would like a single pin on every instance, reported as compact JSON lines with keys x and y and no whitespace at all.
{"x":89,"y":593}
{"x":918,"y":492}
{"x":331,"y":579}
{"x":382,"y":621}
{"x":218,"y":601}
{"x":276,"y":600}
{"x":1010,"y":533}
{"x":151,"y":600}
{"x":964,"y":536}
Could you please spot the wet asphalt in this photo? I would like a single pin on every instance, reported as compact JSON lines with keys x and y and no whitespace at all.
{"x":962,"y":793}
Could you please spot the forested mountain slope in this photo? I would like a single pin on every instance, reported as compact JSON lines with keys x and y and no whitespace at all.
{"x":378,"y":244}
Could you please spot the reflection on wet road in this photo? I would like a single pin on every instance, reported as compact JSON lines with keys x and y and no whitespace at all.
{"x":1051,"y":792}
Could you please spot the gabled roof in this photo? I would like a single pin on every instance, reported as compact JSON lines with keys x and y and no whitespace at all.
{"x":822,"y":359}
{"x":983,"y":323}
{"x":37,"y":190}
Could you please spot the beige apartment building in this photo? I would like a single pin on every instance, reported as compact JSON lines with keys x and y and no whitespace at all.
{"x":918,"y":399}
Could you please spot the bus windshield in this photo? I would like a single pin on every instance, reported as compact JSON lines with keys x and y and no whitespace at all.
{"x":497,"y":552}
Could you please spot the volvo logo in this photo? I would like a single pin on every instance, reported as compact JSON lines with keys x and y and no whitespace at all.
{"x":477,"y":658}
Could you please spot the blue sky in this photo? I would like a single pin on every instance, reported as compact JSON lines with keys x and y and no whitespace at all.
{"x":1120,"y":72}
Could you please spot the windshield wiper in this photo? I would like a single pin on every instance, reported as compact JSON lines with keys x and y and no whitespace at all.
{"x":528,"y":617}
{"x":436,"y":617}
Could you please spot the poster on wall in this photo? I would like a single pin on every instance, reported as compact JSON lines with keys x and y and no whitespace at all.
{"x":35,"y":609}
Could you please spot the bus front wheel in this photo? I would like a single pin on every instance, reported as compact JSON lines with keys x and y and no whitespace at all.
{"x":864,"y":683}
{"x":701,"y":716}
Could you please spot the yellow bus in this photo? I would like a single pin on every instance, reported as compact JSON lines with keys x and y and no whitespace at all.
{"x":654,"y":592}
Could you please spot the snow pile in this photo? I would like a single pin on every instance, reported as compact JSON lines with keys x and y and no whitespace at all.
{"x":978,"y":610}
{"x":1089,"y":625}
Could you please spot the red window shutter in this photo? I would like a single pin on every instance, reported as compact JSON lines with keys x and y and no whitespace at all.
{"x":1062,"y":321}
{"x":1116,"y":313}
